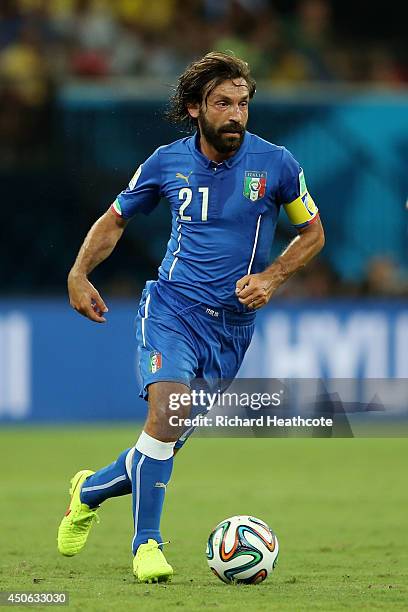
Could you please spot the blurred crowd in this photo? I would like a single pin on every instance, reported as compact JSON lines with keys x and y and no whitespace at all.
{"x":45,"y":43}
{"x":383,"y":278}
{"x":41,"y":39}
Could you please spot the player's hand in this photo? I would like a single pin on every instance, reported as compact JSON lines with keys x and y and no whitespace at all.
{"x":85,"y":299}
{"x":254,"y":290}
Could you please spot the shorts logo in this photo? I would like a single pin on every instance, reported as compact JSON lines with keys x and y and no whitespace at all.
{"x":155,"y":361}
{"x":254,"y":185}
{"x":212,"y":312}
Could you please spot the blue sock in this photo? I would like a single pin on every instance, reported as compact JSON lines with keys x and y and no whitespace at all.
{"x":150,"y":475}
{"x":110,"y":481}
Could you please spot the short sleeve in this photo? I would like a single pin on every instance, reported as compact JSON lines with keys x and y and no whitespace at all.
{"x":143,"y":192}
{"x":293,"y":194}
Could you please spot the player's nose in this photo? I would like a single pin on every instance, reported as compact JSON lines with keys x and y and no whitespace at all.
{"x":236,"y":113}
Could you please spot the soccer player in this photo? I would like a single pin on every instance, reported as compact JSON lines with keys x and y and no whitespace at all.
{"x":225,"y":187}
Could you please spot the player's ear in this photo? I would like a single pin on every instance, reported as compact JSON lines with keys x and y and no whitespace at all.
{"x":193,"y":110}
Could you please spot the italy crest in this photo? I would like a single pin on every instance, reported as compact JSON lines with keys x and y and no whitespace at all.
{"x":155,"y":361}
{"x":254,"y":185}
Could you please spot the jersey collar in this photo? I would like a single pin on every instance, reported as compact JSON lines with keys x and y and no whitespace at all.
{"x":194,"y":146}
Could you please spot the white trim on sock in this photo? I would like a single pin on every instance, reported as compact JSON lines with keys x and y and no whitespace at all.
{"x":137,"y":504}
{"x":128,"y":463}
{"x":154,"y":448}
{"x":186,"y":434}
{"x":105,"y":486}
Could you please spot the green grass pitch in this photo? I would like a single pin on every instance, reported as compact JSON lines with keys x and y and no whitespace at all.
{"x":338,"y":506}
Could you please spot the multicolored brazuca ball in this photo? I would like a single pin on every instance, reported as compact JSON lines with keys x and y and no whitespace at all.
{"x":242,"y":549}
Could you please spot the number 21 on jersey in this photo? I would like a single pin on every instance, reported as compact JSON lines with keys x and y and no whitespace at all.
{"x":186,"y":194}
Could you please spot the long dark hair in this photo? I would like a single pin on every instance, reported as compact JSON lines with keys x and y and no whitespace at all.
{"x":202,"y":76}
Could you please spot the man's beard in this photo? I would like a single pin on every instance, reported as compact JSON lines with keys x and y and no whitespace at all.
{"x":218,"y":139}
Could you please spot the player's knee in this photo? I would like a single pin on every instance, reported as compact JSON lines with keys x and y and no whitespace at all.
{"x":162,"y":414}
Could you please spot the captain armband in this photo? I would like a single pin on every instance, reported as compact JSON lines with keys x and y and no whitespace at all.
{"x":303,"y":210}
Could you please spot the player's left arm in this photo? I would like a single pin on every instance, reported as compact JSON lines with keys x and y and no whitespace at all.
{"x":255,"y":290}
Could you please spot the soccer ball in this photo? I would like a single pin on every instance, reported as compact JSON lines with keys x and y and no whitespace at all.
{"x":242,"y":549}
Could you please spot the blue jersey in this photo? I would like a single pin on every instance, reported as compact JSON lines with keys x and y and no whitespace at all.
{"x":223,"y":215}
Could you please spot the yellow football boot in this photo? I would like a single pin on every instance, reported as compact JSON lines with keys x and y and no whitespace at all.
{"x":150,"y":565}
{"x":78,"y":520}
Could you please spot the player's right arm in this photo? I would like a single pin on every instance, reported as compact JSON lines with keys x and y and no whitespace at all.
{"x":142,"y":195}
{"x":98,"y":245}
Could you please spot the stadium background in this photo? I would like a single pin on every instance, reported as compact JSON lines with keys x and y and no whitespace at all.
{"x":83,"y":85}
